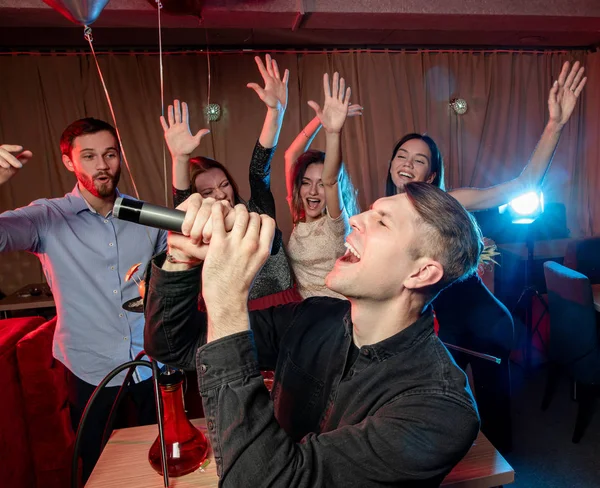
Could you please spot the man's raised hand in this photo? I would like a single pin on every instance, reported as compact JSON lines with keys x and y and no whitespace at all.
{"x":234,"y":257}
{"x":12,"y":159}
{"x":192,"y":244}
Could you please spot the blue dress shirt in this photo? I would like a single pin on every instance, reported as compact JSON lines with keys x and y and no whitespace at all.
{"x":85,"y":257}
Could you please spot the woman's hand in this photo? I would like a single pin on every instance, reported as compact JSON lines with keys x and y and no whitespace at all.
{"x":275,"y":91}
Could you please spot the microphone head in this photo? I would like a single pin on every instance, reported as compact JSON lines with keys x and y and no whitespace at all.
{"x":117,"y":206}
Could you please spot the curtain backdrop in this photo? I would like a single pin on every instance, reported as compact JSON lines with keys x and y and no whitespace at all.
{"x":401,"y":92}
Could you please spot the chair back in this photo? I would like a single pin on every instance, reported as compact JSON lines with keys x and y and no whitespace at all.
{"x":573,"y":334}
{"x":582,"y":255}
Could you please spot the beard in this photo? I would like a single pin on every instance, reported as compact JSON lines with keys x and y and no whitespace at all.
{"x":100,"y":189}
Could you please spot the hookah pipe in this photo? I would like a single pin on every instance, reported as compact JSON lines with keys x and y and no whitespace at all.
{"x":480,"y":355}
{"x":134,"y":305}
{"x":159,"y":413}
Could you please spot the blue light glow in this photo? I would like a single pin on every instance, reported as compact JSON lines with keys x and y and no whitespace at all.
{"x":528,"y":204}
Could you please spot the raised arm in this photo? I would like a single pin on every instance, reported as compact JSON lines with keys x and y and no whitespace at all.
{"x":20,"y":229}
{"x":181,"y":142}
{"x":302,"y":144}
{"x":275,"y":96}
{"x":561,"y":102}
{"x":332,"y":117}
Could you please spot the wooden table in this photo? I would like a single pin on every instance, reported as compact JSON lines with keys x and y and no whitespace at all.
{"x":23,"y":300}
{"x":596,"y":292}
{"x":124,"y":463}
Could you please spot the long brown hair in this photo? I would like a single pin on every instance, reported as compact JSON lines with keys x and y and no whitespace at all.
{"x":201,"y":165}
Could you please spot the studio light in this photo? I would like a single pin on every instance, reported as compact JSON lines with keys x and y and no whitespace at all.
{"x":525,"y":208}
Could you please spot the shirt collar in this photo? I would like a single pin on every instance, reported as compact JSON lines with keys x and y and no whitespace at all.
{"x":80,"y":204}
{"x":403,"y":340}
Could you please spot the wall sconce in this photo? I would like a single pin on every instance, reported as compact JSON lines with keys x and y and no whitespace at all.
{"x":459,"y":105}
{"x":213,"y":112}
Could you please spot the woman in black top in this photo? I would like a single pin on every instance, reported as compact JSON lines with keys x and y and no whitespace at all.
{"x":468,"y":314}
{"x":274,"y":284}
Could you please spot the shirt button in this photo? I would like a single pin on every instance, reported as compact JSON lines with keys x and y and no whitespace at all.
{"x":105,"y":221}
{"x":350,"y":373}
{"x":210,"y":425}
{"x":120,"y":315}
{"x":115,"y":291}
{"x":112,"y":268}
{"x":203,"y":368}
{"x":125,"y":338}
{"x":365,"y":352}
{"x":111,"y":244}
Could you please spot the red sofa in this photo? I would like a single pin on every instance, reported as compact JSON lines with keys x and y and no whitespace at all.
{"x":36,"y":439}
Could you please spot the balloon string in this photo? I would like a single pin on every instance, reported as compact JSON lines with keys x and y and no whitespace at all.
{"x":207,"y":113}
{"x":89,"y":38}
{"x":162,"y":99}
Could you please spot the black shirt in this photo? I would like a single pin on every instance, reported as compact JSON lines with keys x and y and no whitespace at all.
{"x":403,"y":415}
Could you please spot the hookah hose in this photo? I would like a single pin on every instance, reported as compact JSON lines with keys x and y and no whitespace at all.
{"x":131,"y":365}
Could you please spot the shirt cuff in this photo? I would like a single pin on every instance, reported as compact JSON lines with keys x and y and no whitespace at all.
{"x":172,"y":283}
{"x":226,"y":360}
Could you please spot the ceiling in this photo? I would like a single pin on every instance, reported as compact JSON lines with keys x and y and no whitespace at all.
{"x":254,"y":24}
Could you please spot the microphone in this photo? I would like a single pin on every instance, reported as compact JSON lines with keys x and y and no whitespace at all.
{"x":144,"y":213}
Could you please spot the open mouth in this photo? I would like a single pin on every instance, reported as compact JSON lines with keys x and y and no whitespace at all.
{"x":410,"y":176}
{"x":313,"y":203}
{"x":352,"y":255}
{"x":103,"y":179}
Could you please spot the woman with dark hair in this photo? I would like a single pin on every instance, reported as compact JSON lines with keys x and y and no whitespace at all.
{"x":467,"y":313}
{"x":320,"y":195}
{"x":274,"y":284}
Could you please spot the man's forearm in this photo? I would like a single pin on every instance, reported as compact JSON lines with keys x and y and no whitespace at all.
{"x":174,"y":327}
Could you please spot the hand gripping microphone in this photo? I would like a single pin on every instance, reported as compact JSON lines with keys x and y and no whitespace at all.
{"x":165,"y":218}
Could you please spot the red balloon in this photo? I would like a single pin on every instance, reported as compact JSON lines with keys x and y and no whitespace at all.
{"x":82,"y":12}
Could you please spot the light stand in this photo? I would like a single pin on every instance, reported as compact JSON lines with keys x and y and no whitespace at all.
{"x":525,"y":300}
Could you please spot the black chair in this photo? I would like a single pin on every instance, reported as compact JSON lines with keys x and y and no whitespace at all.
{"x":582,"y":255}
{"x":574,"y":346}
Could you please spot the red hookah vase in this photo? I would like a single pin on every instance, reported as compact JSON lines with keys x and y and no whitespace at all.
{"x":187,"y":447}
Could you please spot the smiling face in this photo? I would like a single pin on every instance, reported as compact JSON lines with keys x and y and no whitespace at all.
{"x":379,"y":262}
{"x":213,"y":183}
{"x":96,"y":161}
{"x":412,"y":162}
{"x":312,"y":192}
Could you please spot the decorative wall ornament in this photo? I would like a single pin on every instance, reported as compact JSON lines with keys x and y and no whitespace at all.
{"x":459,"y":105}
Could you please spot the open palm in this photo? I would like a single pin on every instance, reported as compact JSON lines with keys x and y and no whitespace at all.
{"x":564,"y":93}
{"x":178,"y":136}
{"x":335,"y":108}
{"x":275,"y":92}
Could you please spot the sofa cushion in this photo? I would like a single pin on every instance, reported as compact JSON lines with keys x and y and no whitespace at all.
{"x":45,"y":395}
{"x":15,"y":468}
